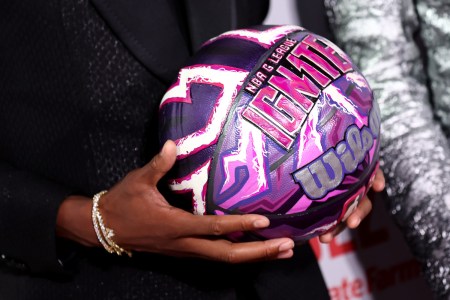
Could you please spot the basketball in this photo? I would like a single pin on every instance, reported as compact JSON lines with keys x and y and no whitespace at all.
{"x":272,"y":120}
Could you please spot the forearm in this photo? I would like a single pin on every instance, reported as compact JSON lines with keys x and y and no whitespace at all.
{"x":435,"y":34}
{"x":390,"y":60}
{"x":29,"y":206}
{"x":415,"y":151}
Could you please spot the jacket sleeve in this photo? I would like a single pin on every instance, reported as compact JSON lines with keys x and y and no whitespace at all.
{"x":28,"y":210}
{"x":381,"y":37}
{"x":435,"y":35}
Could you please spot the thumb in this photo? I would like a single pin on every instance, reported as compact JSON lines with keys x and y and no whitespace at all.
{"x":162,"y":162}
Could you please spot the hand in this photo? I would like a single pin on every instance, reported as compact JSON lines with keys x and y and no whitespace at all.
{"x":362,"y":210}
{"x":143,"y":220}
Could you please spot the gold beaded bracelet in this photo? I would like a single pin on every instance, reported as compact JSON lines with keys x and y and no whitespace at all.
{"x":104,"y":234}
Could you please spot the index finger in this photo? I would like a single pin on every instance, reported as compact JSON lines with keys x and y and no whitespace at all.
{"x":213,"y":225}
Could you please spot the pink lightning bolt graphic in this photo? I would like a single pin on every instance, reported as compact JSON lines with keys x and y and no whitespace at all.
{"x":250,"y":153}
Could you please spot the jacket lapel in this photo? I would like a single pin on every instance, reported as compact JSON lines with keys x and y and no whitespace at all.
{"x":150,"y":30}
{"x":206,"y":18}
{"x":162,"y":34}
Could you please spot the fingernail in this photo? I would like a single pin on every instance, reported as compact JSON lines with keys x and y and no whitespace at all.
{"x":356,"y":222}
{"x":286,"y":246}
{"x":164,"y":149}
{"x":261,"y":223}
{"x":326,"y":238}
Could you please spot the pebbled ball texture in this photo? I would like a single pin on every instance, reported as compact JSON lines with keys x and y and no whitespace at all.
{"x":273,"y":120}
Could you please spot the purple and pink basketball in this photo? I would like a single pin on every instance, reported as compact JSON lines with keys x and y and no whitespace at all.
{"x":272,"y":120}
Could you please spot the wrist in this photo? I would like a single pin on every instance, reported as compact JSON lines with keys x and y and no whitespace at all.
{"x":74,"y":221}
{"x":104,"y":234}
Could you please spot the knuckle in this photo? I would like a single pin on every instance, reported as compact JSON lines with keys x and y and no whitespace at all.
{"x":216,"y":228}
{"x":364,"y":208}
{"x":269,"y":252}
{"x":228,"y":254}
{"x":270,"y":249}
{"x":175,"y":233}
{"x":245,"y":224}
{"x":154,"y":163}
{"x":231,"y":257}
{"x":369,"y":205}
{"x":133,"y":174}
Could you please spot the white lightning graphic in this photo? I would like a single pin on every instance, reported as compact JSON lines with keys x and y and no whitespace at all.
{"x":195,"y":182}
{"x":264,"y":38}
{"x":229,"y":79}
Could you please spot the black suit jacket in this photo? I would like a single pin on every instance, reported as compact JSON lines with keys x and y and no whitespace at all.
{"x":186,"y":23}
{"x":80,"y":84}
